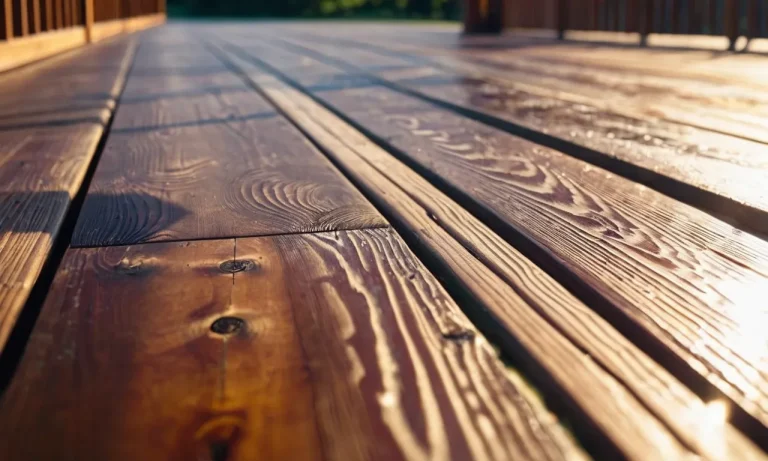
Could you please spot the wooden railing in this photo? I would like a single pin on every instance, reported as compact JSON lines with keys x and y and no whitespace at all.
{"x":34,"y":29}
{"x":21,"y":18}
{"x":730,"y":18}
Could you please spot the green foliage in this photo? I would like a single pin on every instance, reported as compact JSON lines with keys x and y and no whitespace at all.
{"x":425,"y":9}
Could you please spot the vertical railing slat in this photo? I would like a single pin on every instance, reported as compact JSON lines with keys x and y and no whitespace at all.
{"x":59,"y":14}
{"x":88,"y":8}
{"x":753,"y":19}
{"x":6,"y":27}
{"x":34,"y":16}
{"x":562,"y":18}
{"x":46,"y":16}
{"x":731,"y":24}
{"x":20,"y":21}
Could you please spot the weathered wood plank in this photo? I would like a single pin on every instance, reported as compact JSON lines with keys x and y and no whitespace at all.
{"x":343,"y":350}
{"x":204,"y":156}
{"x":683,"y":284}
{"x":665,"y":155}
{"x":451,"y":230}
{"x":42,"y":165}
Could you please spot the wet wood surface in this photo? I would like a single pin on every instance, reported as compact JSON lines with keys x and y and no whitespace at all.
{"x":721,"y":105}
{"x":522,"y":298}
{"x":52,"y":116}
{"x":307,"y":241}
{"x":661,"y":154}
{"x":682,"y":283}
{"x":194,"y":153}
{"x":326,"y":346}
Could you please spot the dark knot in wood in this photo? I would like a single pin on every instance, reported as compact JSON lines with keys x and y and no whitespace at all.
{"x":227,"y":325}
{"x":239,"y":265}
{"x":459,"y":335}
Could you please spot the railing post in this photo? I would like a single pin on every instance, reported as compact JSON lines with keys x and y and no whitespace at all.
{"x":753,"y":19}
{"x":20,"y":20}
{"x":731,"y":23}
{"x":88,"y":8}
{"x":562,"y":18}
{"x":646,"y":21}
{"x":482,"y":16}
{"x":495,"y":19}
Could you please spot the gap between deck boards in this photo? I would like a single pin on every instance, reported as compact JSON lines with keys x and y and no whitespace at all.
{"x":13,"y":350}
{"x":744,"y":421}
{"x":728,"y":209}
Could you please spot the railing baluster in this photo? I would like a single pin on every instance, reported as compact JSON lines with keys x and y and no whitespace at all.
{"x":59,"y":14}
{"x":753,"y":19}
{"x":46,"y":16}
{"x":731,"y":26}
{"x":562,"y":18}
{"x":34,"y":16}
{"x":88,"y":9}
{"x":20,"y":22}
{"x":6,"y":25}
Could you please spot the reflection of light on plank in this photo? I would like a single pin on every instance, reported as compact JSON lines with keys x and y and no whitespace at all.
{"x":710,"y":420}
{"x":715,"y":414}
{"x":742,"y":337}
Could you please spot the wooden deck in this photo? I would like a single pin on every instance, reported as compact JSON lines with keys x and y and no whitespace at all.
{"x":347,"y":241}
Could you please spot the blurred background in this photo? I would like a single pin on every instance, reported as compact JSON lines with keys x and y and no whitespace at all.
{"x":363,"y":9}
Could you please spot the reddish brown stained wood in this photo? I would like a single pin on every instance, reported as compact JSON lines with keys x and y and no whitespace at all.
{"x":186,"y":160}
{"x":320,"y":364}
{"x":686,"y":279}
{"x":59,"y":14}
{"x":33,"y":9}
{"x":20,"y":21}
{"x":67,"y":13}
{"x":704,"y":160}
{"x":47,"y":15}
{"x":42,"y":164}
{"x":451,"y":233}
{"x":88,"y":16}
{"x":6,"y":25}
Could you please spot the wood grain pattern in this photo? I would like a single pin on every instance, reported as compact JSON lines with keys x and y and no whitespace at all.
{"x":707,"y":161}
{"x":723,"y":107}
{"x":342,"y":354}
{"x":83,"y":79}
{"x":666,"y":56}
{"x":206,"y":157}
{"x":42,"y":166}
{"x":686,"y":280}
{"x":452,"y":230}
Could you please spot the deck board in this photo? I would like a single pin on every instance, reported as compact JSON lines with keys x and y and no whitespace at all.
{"x":204,"y":156}
{"x":666,"y":273}
{"x":725,"y":171}
{"x":520,"y":296}
{"x":49,"y":132}
{"x":720,"y":105}
{"x":343,"y":355}
{"x":352,"y":241}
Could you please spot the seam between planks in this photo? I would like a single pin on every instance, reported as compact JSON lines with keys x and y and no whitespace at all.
{"x":271,"y":234}
{"x":452,"y":281}
{"x":14,"y":347}
{"x":650,"y":344}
